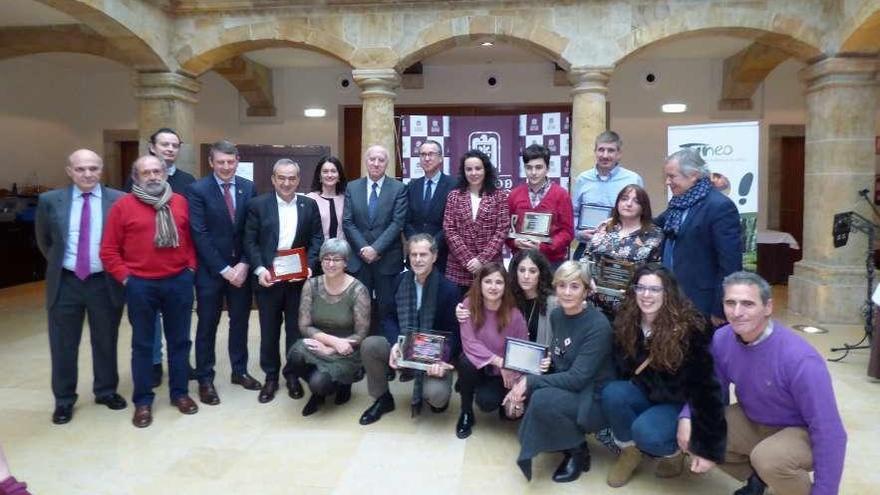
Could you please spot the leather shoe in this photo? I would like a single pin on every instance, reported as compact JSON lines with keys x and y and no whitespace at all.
{"x":157,"y":375}
{"x":312,"y":406}
{"x":384,"y":404}
{"x":465,"y":425}
{"x":343,"y":394}
{"x":438,"y":410}
{"x":143,"y":416}
{"x":186,"y":405}
{"x":208,"y":394}
{"x":113,"y":401}
{"x":754,"y":486}
{"x":267,"y":393}
{"x":246,"y":381}
{"x":294,"y":388}
{"x":62,"y":414}
{"x":575,"y":462}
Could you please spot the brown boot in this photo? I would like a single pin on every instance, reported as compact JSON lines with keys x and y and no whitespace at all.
{"x":626,"y":464}
{"x":670,"y":467}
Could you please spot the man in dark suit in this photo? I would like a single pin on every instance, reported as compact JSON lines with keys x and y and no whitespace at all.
{"x":69,"y":225}
{"x":703,"y":241}
{"x":217,"y":212}
{"x":426,"y":199}
{"x":165,"y":144}
{"x":280,"y":220}
{"x":372,"y":219}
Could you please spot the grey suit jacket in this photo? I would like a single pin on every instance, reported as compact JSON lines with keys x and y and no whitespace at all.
{"x":383,"y":232}
{"x":52,"y":226}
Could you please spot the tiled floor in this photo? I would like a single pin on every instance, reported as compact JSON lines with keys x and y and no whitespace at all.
{"x":244,"y":447}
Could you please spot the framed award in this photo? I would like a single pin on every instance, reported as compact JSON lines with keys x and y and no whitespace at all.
{"x":534,"y":226}
{"x":590,"y":216}
{"x":419,"y":349}
{"x":523,"y":355}
{"x":290,"y":264}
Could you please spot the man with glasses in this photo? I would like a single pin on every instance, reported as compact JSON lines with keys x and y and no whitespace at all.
{"x":280,"y":220}
{"x":427,"y":200}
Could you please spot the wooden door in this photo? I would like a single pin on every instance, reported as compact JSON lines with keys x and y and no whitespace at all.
{"x":128,"y":153}
{"x":791,"y":204}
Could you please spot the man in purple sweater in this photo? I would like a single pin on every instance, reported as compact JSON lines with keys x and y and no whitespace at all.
{"x":785,"y":423}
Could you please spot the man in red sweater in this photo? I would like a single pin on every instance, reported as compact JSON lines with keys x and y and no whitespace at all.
{"x":540,"y":194}
{"x":147,"y":247}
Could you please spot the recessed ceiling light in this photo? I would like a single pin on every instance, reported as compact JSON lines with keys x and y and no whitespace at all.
{"x":487,"y":43}
{"x":315,"y":112}
{"x":673,"y":108}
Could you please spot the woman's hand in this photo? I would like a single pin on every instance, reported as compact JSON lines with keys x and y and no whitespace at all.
{"x":318,"y":348}
{"x":509,"y":377}
{"x":342,"y":346}
{"x":461,"y":313}
{"x":700,"y":464}
{"x":545,"y":364}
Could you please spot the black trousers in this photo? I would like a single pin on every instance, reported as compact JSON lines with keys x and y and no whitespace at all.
{"x":381,"y":293}
{"x":276,"y":304}
{"x":488,"y":390}
{"x":76,"y":299}
{"x":210,"y":294}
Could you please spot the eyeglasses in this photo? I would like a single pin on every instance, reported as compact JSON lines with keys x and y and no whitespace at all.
{"x":330,"y":261}
{"x":648,"y":289}
{"x":429,"y":154}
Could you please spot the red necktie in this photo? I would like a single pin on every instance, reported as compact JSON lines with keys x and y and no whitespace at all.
{"x":228,"y":197}
{"x":83,"y":266}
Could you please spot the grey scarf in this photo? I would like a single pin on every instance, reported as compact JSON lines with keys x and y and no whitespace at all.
{"x":166,"y":229}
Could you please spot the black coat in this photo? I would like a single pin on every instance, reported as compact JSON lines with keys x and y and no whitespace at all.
{"x":694,"y":383}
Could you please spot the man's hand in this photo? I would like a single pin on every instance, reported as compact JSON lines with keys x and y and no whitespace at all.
{"x":265,"y":279}
{"x":545,"y":364}
{"x":473,"y":265}
{"x":369,"y":254}
{"x":461,"y":313}
{"x":241,"y":270}
{"x":683,"y":435}
{"x":438,"y":370}
{"x":393,"y":356}
{"x":525,"y":244}
{"x":586,"y":234}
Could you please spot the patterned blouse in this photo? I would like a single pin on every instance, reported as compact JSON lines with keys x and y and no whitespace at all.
{"x":641,"y":246}
{"x":468,"y":238}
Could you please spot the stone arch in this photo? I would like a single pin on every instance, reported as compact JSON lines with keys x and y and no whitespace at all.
{"x":69,"y":38}
{"x":863,"y":33}
{"x":204,"y":51}
{"x":789,"y":34}
{"x":132,"y":30}
{"x":449,"y":33}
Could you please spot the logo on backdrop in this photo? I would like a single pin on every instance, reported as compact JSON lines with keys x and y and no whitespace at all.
{"x":488,"y":142}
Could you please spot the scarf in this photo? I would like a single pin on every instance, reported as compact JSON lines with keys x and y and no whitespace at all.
{"x":678,"y":205}
{"x":410,"y":319}
{"x":166,"y":230}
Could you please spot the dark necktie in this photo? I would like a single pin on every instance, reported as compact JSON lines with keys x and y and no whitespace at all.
{"x":83,"y":245}
{"x":334,"y":222}
{"x":227,"y":196}
{"x":428,"y":184}
{"x":374,"y":200}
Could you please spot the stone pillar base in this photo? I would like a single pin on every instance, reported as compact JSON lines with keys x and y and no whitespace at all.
{"x":827,"y":294}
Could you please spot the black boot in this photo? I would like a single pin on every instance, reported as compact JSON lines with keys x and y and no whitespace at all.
{"x":465,"y":424}
{"x":754,"y":486}
{"x":575,"y":462}
{"x":343,"y":394}
{"x":525,"y":465}
{"x":315,"y":402}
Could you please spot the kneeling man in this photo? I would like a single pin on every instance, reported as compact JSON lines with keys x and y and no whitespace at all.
{"x":785,"y":422}
{"x":425,"y":299}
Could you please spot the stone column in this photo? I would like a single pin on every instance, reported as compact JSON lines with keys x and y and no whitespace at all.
{"x":588,"y":117}
{"x":377,"y":124}
{"x":828,"y":285}
{"x":166,"y":99}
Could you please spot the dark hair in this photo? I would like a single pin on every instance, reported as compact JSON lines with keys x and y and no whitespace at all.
{"x":222,"y":146}
{"x":489,"y":178}
{"x":475,"y":297}
{"x":164,"y":130}
{"x":534,"y":151}
{"x":641,"y":197}
{"x":316,"y":179}
{"x":670,"y":331}
{"x":545,"y":277}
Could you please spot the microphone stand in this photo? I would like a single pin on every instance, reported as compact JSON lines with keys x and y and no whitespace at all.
{"x":869,"y":228}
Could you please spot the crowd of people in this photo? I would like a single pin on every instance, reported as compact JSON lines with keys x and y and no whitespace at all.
{"x":645,"y":326}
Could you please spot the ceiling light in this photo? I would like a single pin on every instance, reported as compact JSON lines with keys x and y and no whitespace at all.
{"x":315,"y":112}
{"x":487,"y":43}
{"x":673,"y":108}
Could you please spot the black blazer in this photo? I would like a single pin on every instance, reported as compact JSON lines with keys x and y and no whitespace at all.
{"x":428,"y":218}
{"x":261,"y":230}
{"x":218,"y":240}
{"x":383,"y":233}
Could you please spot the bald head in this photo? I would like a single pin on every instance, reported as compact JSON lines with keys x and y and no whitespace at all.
{"x":84,"y":168}
{"x":376,"y":159}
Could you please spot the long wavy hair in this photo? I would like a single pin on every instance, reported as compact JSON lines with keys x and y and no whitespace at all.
{"x":475,"y":297}
{"x":545,"y":278}
{"x":489,"y":177}
{"x":671,"y":330}
{"x":641,"y":198}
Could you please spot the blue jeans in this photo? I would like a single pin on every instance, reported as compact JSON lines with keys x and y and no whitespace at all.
{"x":652,"y":426}
{"x":173,"y":296}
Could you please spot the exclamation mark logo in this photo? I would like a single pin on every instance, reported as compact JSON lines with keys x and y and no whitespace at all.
{"x":744,"y":185}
